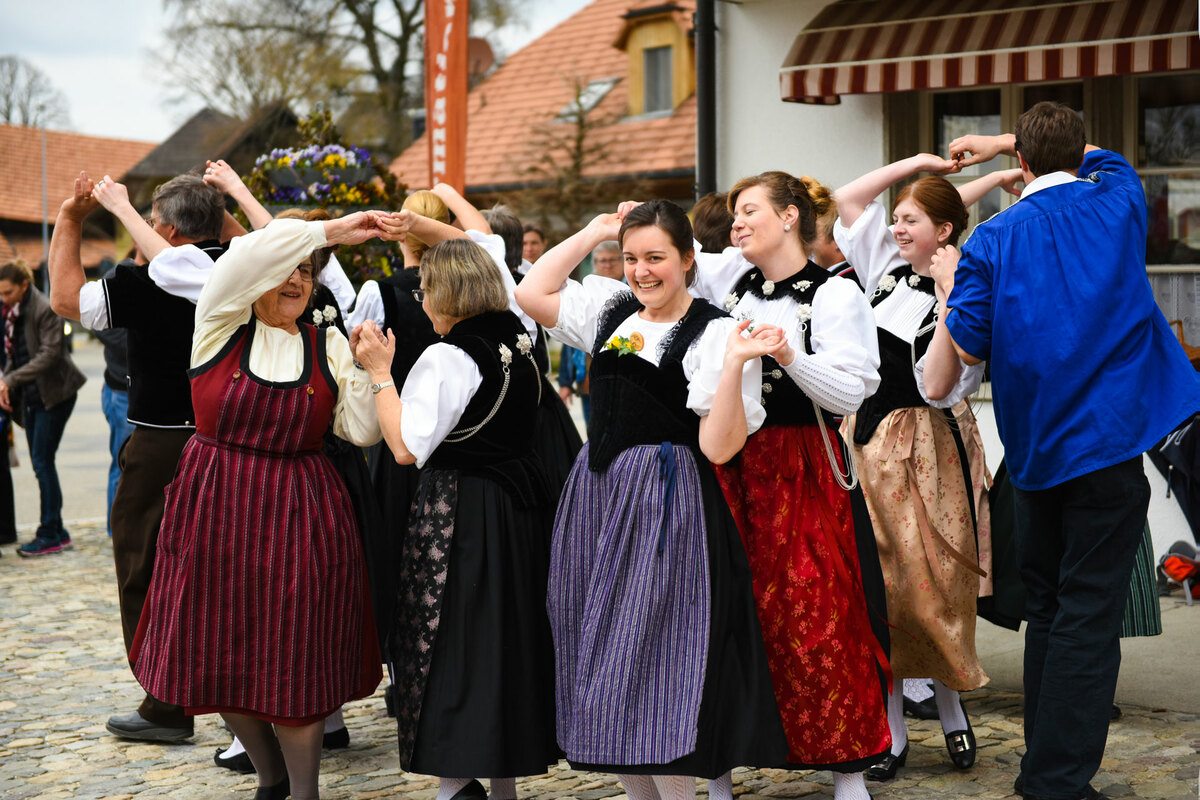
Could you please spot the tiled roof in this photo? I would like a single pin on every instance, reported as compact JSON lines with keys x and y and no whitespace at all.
{"x":193,"y":142}
{"x":66,"y":155}
{"x":30,"y":250}
{"x":506,"y":110}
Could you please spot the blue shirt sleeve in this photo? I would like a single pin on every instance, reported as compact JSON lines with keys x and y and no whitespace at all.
{"x":970,"y":319}
{"x":566,"y":366}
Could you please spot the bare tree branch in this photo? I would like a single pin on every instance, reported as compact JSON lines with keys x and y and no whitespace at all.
{"x":28,"y":98}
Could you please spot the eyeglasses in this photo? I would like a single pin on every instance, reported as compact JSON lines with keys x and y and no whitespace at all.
{"x":306,"y":272}
{"x":418,"y":295}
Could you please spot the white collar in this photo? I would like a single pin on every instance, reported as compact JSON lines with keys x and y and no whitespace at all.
{"x":1046,"y":181}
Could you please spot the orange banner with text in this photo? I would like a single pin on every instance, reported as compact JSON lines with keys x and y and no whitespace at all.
{"x":446,"y":91}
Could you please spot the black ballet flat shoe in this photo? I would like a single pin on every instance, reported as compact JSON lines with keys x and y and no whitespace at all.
{"x":239,"y":763}
{"x":885,"y":768}
{"x":472,"y":791}
{"x":336,"y":740}
{"x":961,"y":744}
{"x":280,"y":791}
{"x":925,"y":709}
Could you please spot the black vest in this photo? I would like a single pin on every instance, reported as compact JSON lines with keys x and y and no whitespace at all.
{"x":635,"y":402}
{"x":491,"y":433}
{"x":897,"y":383}
{"x":160,"y":329}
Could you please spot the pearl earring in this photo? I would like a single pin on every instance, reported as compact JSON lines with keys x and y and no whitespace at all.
{"x":787,"y":227}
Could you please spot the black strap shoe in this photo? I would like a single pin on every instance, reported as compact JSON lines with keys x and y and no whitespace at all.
{"x":961,"y":744}
{"x":885,"y":768}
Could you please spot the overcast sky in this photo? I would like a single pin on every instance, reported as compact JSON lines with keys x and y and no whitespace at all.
{"x":98,"y":53}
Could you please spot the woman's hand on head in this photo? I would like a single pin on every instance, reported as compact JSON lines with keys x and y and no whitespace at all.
{"x":624,"y":208}
{"x":605,"y":227}
{"x":373,"y":349}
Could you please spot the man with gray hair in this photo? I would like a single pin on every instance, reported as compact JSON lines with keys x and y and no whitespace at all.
{"x":186,"y":213}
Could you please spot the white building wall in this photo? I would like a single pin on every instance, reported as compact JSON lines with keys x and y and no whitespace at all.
{"x":756,"y":130}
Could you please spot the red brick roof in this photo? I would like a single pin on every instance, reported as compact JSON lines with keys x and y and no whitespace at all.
{"x":30,"y":250}
{"x":537,"y":82}
{"x":66,"y":155}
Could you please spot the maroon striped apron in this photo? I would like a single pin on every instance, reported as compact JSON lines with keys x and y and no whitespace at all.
{"x":259,"y":602}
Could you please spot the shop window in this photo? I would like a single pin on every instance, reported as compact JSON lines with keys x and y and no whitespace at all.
{"x":656,"y":64}
{"x":957,"y":114}
{"x":1169,"y":163}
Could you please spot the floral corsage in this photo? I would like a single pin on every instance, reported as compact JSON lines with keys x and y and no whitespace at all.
{"x":626,"y":345}
{"x":322,"y":315}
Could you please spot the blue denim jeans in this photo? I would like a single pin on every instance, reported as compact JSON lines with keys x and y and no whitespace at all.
{"x":116,"y":410}
{"x":43,"y":431}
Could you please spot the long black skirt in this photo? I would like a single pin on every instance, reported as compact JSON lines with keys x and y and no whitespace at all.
{"x":485,"y":704}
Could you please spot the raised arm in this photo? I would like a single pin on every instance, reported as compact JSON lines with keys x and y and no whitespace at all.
{"x":114,"y":197}
{"x":225,"y":180}
{"x":468,"y":215}
{"x":982,"y":148}
{"x":855,"y":196}
{"x":1006,"y":179}
{"x":396,"y":225}
{"x":65,"y":265}
{"x":538,"y":291}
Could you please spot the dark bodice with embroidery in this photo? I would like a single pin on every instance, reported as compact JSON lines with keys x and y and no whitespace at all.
{"x":488,"y":433}
{"x":897,"y":383}
{"x":635,"y":402}
{"x":784,"y":401}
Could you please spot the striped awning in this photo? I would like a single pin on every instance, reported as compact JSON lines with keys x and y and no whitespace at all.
{"x":870,"y":46}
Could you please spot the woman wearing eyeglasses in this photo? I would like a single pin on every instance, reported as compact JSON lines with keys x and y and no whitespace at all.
{"x":259,"y":607}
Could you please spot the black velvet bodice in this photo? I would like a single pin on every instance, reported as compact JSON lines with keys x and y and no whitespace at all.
{"x":634,"y":402}
{"x":488,"y":434}
{"x":897,"y":383}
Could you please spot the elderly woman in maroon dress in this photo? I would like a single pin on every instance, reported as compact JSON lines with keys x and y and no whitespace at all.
{"x":259,"y":608}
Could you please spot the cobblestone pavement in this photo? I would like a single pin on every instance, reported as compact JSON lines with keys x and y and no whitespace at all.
{"x":62,"y":672}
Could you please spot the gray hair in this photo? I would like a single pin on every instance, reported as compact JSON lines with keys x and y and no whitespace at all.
{"x":610,"y":246}
{"x":195,"y":209}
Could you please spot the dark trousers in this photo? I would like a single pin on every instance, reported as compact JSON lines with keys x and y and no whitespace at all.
{"x":148,"y":462}
{"x":44,"y":432}
{"x":1075,"y":547}
{"x":8,"y":508}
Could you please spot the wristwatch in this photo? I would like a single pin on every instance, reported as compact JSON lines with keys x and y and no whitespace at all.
{"x":376,"y":388}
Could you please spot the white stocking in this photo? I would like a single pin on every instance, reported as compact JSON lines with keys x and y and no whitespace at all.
{"x":850,"y":787}
{"x":896,"y":720}
{"x":451,"y":786}
{"x":334,"y":722}
{"x":235,"y":749}
{"x":639,"y":787}
{"x":950,"y":709}
{"x":721,"y":788}
{"x":675,"y":787}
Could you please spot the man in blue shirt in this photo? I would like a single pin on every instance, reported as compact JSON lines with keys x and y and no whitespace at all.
{"x":1086,"y":377}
